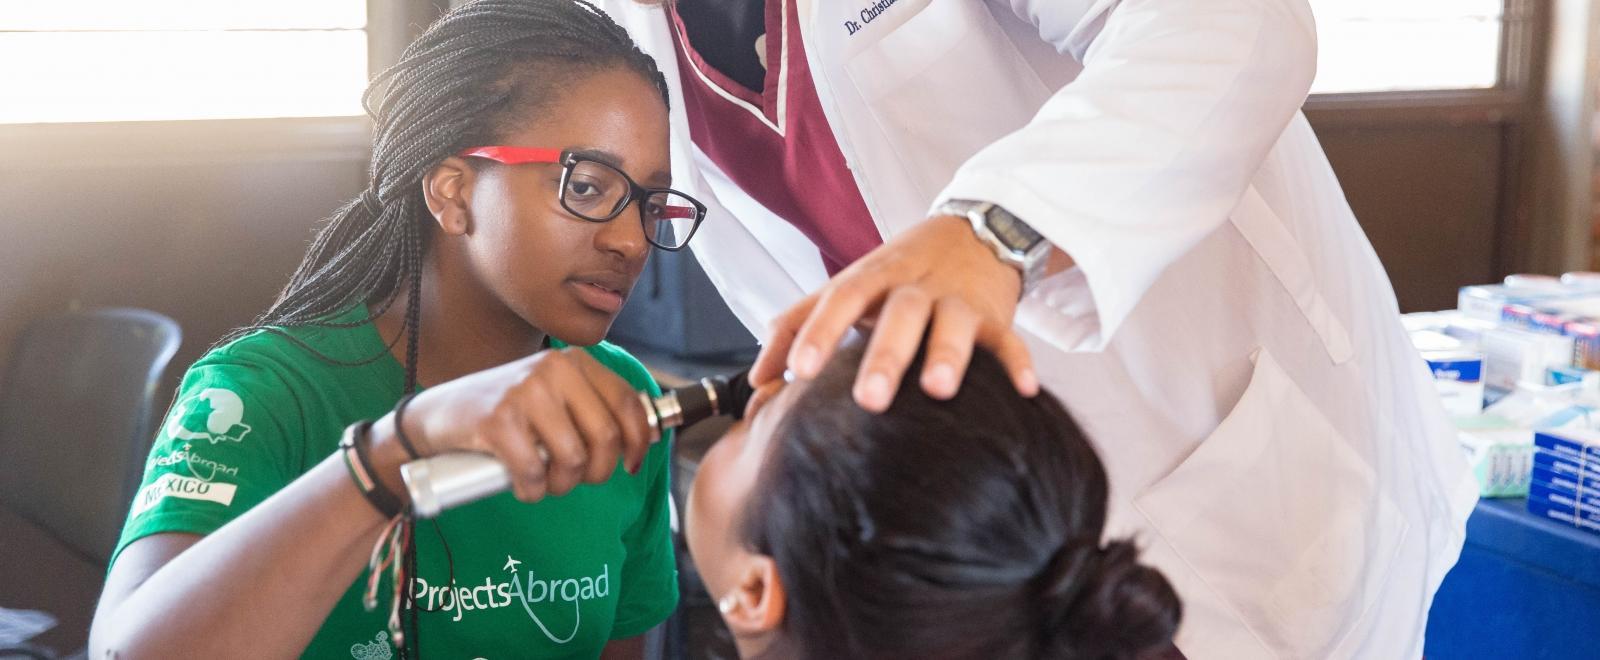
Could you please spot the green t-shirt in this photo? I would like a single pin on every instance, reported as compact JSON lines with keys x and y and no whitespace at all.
{"x":552,"y":579}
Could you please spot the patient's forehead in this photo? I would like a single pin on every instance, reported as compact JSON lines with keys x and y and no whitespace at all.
{"x":770,"y":416}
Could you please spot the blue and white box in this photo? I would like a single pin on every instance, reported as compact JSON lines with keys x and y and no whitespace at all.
{"x":1458,"y":376}
{"x":1586,"y":500}
{"x":1580,"y":517}
{"x":1566,"y":483}
{"x":1576,"y":445}
{"x":1566,"y":466}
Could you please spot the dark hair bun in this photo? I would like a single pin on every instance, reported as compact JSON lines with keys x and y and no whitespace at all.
{"x":1100,"y":602}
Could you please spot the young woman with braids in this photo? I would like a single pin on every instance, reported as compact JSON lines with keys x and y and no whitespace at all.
{"x":967,"y":529}
{"x":518,"y":183}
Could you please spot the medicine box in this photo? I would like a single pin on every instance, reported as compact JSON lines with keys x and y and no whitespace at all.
{"x":1501,"y":460}
{"x":1569,"y":483}
{"x":1581,"y":446}
{"x":1565,"y":466}
{"x":1513,"y":356}
{"x":1580,"y":518}
{"x":1458,"y":376}
{"x":1487,"y":301}
{"x":1587,"y":500}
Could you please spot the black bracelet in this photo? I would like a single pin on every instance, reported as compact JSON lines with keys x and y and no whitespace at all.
{"x":400,"y":427}
{"x":356,"y":440}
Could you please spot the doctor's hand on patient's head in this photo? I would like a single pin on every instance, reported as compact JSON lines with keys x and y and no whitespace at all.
{"x":936,"y":279}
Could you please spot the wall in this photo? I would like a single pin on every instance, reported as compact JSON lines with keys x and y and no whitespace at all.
{"x":1465,"y":187}
{"x":1432,"y":196}
{"x":201,"y":221}
{"x":1560,"y":144}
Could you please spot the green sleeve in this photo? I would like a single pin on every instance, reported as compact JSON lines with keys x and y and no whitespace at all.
{"x":228,"y":443}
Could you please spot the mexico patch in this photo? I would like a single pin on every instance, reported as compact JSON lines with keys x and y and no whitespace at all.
{"x":189,"y":488}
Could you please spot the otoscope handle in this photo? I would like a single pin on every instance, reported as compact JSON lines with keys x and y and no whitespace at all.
{"x":450,"y":480}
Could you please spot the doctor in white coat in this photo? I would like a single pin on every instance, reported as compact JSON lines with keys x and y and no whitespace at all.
{"x":1215,"y":319}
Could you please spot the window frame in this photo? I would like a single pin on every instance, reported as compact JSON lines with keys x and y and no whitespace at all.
{"x":1507,"y":101}
{"x":1540,"y":110}
{"x":391,"y":25}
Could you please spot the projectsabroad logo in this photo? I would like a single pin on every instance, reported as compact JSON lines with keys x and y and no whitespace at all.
{"x":214,"y":415}
{"x":200,"y":467}
{"x":527,"y":591}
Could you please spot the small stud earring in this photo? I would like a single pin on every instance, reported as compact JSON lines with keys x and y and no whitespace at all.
{"x":726,"y":604}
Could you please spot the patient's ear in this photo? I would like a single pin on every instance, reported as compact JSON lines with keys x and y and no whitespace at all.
{"x":447,"y":189}
{"x":756,"y":605}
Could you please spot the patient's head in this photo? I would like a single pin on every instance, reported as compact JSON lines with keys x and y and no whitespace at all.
{"x":967,"y":528}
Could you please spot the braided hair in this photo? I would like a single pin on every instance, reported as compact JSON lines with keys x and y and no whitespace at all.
{"x":473,"y":75}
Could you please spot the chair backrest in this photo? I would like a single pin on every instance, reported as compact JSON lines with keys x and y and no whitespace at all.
{"x":76,"y":420}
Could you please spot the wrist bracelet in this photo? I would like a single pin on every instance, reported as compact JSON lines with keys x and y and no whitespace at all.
{"x":400,"y":427}
{"x":354,"y":446}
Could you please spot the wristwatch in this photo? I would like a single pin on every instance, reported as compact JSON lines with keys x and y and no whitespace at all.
{"x":1012,"y":240}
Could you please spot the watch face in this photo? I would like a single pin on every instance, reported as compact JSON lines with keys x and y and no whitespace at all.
{"x":1016,"y":234}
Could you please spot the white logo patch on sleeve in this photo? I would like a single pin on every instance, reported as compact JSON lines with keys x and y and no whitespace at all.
{"x":214,"y":415}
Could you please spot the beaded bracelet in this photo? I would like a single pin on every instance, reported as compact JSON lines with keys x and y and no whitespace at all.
{"x":354,"y":447}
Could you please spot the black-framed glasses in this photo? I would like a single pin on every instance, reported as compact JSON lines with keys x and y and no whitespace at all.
{"x":598,"y":192}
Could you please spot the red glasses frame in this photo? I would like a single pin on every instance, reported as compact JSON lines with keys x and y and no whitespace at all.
{"x":508,"y":155}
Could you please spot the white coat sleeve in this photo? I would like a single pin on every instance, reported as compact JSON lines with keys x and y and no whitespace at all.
{"x":1148,"y":150}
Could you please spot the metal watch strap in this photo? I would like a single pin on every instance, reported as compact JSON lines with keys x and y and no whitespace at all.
{"x":1029,"y":260}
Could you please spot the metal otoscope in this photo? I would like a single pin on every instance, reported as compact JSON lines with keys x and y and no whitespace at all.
{"x":450,"y":480}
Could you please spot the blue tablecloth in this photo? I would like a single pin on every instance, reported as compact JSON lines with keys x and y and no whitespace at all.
{"x":1525,"y":587}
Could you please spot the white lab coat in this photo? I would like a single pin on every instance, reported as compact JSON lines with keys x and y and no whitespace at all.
{"x":1228,"y":339}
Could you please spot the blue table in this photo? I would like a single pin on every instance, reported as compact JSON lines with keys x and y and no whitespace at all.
{"x":1525,"y":587}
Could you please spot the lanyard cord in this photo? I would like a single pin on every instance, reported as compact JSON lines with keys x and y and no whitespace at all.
{"x":399,"y":539}
{"x":411,"y":648}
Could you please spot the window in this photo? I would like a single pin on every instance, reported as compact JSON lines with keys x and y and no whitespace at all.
{"x":1406,"y":45}
{"x":149,"y":60}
